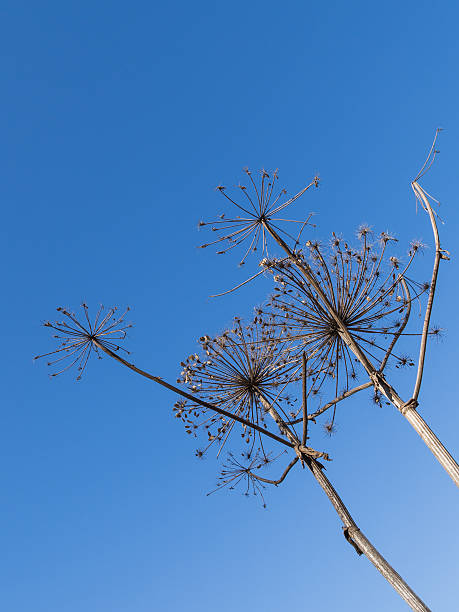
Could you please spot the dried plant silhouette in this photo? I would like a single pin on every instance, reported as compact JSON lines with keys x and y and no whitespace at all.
{"x":258,"y":384}
{"x":331,"y":327}
{"x":336,"y":306}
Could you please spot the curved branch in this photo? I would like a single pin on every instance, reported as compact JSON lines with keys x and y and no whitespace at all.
{"x":275,"y":482}
{"x":439,"y":254}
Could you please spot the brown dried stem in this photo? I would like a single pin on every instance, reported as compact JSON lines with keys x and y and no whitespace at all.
{"x":439,"y":254}
{"x":402,"y":326}
{"x":361,"y":544}
{"x":276,"y":482}
{"x":333,"y":402}
{"x":305,"y":401}
{"x":350,"y":529}
{"x":191,"y":397}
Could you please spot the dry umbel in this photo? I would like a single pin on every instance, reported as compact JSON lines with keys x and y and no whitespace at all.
{"x":234,"y":371}
{"x":370,"y":292}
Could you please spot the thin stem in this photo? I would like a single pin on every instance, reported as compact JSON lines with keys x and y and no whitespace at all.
{"x":402,"y":326}
{"x":196,"y":400}
{"x":305,"y":402}
{"x":420,"y":195}
{"x":276,"y":482}
{"x":337,"y":399}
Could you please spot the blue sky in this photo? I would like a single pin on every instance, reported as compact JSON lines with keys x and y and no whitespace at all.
{"x":118,"y":122}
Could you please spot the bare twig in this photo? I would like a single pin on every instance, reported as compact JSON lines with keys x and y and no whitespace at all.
{"x":333,"y":402}
{"x":439,"y":254}
{"x":191,"y":397}
{"x":276,"y":482}
{"x":398,"y":333}
{"x":305,"y":402}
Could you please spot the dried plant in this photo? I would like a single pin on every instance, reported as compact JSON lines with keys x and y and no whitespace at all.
{"x":247,"y":341}
{"x":370,"y":292}
{"x":337,"y":344}
{"x":336,"y":316}
{"x":234,"y":371}
{"x":82,"y":338}
{"x":236,"y":471}
{"x":260,"y":204}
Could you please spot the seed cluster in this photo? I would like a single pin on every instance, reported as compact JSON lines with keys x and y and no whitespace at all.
{"x":235,"y":371}
{"x":369,"y":292}
{"x":260,"y":204}
{"x":236,"y":471}
{"x":79,"y":337}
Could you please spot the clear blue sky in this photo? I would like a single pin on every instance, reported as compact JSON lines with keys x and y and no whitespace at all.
{"x":118,"y":120}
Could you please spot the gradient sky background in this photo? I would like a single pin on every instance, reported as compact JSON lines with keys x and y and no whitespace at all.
{"x":118,"y":121}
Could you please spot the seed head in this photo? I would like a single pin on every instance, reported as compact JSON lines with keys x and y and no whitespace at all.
{"x":360,"y":286}
{"x":257,"y":203}
{"x":235,"y":371}
{"x":80,"y":338}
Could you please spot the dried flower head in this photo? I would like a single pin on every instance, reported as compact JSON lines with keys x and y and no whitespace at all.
{"x":361,"y":287}
{"x":329,"y":428}
{"x":235,"y":471}
{"x":259,"y":205}
{"x":403,"y":361}
{"x":79,"y":338}
{"x":437,"y":332}
{"x":236,"y":372}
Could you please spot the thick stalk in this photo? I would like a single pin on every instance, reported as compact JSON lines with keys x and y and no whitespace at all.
{"x":351,"y":532}
{"x":405,"y":408}
{"x":362,"y":544}
{"x":408,"y":410}
{"x":433,"y":443}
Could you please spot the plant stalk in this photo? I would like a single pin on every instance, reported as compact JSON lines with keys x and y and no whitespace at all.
{"x":361,"y":543}
{"x":351,"y":532}
{"x":189,"y":396}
